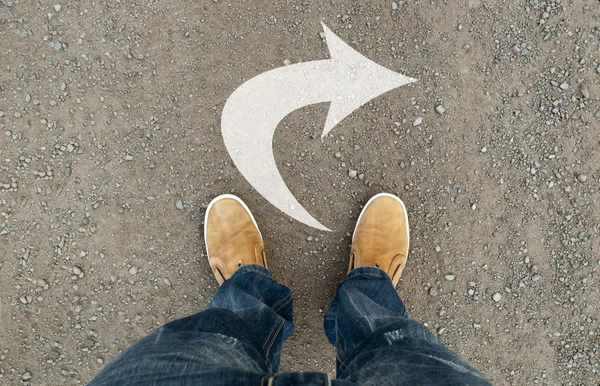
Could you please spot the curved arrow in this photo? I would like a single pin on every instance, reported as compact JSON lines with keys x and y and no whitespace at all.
{"x":251,"y":114}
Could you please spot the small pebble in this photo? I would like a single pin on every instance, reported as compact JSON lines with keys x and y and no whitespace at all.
{"x":536,"y":277}
{"x":564,"y":86}
{"x":128,"y":157}
{"x":582,"y":178}
{"x":497,"y":297}
{"x":57,"y":7}
{"x":352,"y":173}
{"x":77,"y":270}
{"x":179,"y":204}
{"x":287,"y":62}
{"x":483,"y":149}
{"x":133,"y":270}
{"x":433,"y":291}
{"x":440,"y":109}
{"x":394,"y":5}
{"x":437,"y":248}
{"x":450,"y":277}
{"x":418,"y":121}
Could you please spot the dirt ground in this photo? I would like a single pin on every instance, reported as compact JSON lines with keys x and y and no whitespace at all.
{"x":110,"y":114}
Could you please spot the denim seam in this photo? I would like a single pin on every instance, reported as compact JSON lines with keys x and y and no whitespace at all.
{"x":339,"y":355}
{"x":272,"y":335}
{"x":281,"y":303}
{"x":269,"y":336}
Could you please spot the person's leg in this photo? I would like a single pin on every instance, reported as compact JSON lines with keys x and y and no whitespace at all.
{"x":238,"y":338}
{"x":376,"y":342}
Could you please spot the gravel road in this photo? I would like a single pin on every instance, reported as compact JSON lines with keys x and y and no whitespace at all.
{"x":111,"y":148}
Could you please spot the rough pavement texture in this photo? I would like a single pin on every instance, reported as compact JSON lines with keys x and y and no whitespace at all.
{"x":109,"y":115}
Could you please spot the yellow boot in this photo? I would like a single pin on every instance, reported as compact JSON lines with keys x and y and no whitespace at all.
{"x":232,"y":237}
{"x":381,"y":236}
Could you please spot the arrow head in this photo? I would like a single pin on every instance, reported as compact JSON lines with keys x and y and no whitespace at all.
{"x":357,"y":78}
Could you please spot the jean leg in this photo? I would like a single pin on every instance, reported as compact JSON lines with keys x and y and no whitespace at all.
{"x":264,"y":305}
{"x":236,"y":340}
{"x":377,"y":343}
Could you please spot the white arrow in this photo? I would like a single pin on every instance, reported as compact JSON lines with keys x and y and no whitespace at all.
{"x":253,"y":111}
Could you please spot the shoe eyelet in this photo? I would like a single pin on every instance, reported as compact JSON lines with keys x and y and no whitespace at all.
{"x":376,"y":264}
{"x":239,"y":264}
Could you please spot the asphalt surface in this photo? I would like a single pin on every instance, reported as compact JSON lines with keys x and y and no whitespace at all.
{"x":110,"y":114}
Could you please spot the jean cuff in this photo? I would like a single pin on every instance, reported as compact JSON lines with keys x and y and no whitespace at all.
{"x":368,"y":272}
{"x":255,"y":268}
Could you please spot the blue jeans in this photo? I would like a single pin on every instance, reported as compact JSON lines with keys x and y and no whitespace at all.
{"x":237,"y":340}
